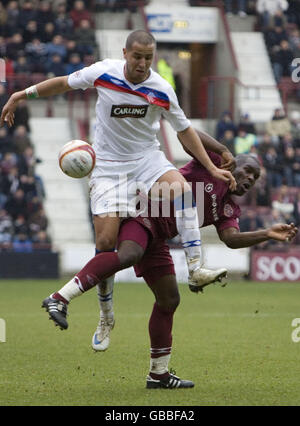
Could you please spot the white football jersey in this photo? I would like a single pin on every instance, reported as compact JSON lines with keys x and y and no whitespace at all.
{"x":127,"y":114}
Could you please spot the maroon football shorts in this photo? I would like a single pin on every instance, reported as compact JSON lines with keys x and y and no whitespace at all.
{"x":157,"y":260}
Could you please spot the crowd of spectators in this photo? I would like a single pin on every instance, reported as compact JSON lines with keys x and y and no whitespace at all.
{"x":23,"y":222}
{"x":42,"y":39}
{"x":57,"y":37}
{"x":277,"y":192}
{"x":52,"y":38}
{"x":36,"y":37}
{"x":279,"y":20}
{"x":276,"y":195}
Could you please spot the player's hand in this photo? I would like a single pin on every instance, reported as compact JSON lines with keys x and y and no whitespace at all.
{"x":282,"y":232}
{"x":8,"y":112}
{"x":228,"y":161}
{"x":225,"y":176}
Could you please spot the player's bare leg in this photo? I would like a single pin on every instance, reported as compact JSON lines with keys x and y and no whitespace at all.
{"x":188,"y":228}
{"x":106,"y":231}
{"x":160,"y":330}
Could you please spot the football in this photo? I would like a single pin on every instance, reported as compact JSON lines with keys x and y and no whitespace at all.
{"x":77,"y":159}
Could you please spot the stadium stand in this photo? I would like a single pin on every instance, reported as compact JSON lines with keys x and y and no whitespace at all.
{"x":278,"y":143}
{"x":23,"y":221}
{"x":40,"y":39}
{"x":274,"y":140}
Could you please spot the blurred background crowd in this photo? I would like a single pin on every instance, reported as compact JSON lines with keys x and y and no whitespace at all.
{"x":38,"y":40}
{"x":276,"y":196}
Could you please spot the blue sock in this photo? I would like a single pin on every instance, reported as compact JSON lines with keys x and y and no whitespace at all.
{"x":102,"y":251}
{"x":105,"y":293}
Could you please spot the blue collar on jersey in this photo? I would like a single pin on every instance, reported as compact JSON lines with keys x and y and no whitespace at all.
{"x":154,"y":97}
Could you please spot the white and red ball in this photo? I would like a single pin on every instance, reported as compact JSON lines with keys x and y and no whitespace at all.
{"x":77,"y":159}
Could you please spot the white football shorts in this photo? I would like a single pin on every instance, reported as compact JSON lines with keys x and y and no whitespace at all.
{"x":123,"y":186}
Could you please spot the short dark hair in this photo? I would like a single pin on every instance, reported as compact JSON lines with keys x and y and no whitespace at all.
{"x":242,"y":158}
{"x":141,"y":37}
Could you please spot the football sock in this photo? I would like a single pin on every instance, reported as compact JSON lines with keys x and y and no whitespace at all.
{"x":159,"y":367}
{"x":188,"y":227}
{"x":97,"y":269}
{"x":160,"y":331}
{"x":105,"y":294}
{"x":68,"y":291}
{"x":105,"y":297}
{"x":100,"y":267}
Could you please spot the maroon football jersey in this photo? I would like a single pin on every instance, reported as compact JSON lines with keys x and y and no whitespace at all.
{"x":218,"y":209}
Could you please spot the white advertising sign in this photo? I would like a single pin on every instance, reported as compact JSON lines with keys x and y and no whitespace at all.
{"x":275,"y":266}
{"x":184,"y":25}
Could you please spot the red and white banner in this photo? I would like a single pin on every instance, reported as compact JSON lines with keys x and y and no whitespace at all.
{"x":275,"y":266}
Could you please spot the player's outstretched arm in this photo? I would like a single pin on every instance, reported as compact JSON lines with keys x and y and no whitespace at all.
{"x":53,"y":86}
{"x":191,"y":141}
{"x":279,"y":232}
{"x":211,"y":144}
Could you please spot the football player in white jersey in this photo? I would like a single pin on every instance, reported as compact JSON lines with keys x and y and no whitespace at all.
{"x":132,"y":98}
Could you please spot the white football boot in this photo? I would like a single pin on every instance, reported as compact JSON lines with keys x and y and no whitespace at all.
{"x":100,"y":340}
{"x":201,"y":277}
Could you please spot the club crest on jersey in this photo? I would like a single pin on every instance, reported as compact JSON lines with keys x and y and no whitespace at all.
{"x":151,"y":97}
{"x":209,"y":187}
{"x":133,"y":111}
{"x":228,"y":210}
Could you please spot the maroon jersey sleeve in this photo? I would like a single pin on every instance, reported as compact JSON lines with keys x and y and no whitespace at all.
{"x":230,"y":216}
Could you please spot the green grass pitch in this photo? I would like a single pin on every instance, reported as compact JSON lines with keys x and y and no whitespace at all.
{"x":234,"y":343}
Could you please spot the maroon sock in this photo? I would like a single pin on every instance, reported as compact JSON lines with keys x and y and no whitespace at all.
{"x":160,"y":331}
{"x":98,"y":268}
